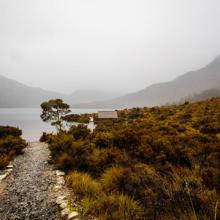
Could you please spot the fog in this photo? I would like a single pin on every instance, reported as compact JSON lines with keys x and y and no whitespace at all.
{"x":119,"y":45}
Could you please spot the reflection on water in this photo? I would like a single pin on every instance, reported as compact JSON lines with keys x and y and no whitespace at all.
{"x":28,"y":119}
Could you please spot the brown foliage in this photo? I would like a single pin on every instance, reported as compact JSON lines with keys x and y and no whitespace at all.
{"x":11,"y":144}
{"x":165,"y":159}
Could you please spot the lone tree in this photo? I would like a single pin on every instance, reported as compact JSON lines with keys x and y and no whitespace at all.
{"x":53,"y":111}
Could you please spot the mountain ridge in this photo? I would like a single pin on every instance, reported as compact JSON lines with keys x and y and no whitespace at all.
{"x":16,"y":94}
{"x":188,"y":84}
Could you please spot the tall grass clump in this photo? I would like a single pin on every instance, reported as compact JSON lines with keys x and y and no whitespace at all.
{"x":83,"y":185}
{"x":112,"y":207}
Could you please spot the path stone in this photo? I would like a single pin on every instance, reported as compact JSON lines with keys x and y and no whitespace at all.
{"x":65,"y":212}
{"x":60,"y":173}
{"x":73,"y":215}
{"x":60,"y":199}
{"x":27,"y":193}
{"x":3,"y":176}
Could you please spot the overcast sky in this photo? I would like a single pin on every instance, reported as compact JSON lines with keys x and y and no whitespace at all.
{"x":120,"y":45}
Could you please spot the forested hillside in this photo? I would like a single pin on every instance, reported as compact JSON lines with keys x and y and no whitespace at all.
{"x":159,"y":163}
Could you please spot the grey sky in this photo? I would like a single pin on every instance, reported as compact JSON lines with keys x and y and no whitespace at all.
{"x":124,"y":45}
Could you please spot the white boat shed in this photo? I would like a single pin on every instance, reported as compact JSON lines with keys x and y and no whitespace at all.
{"x":107,"y":114}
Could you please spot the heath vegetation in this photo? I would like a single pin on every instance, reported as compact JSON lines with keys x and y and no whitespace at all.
{"x":157,"y":163}
{"x":11,"y":144}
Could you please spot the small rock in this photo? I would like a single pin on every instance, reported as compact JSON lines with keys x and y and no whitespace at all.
{"x":3,"y":176}
{"x":63,"y":205}
{"x":9,"y":170}
{"x":60,"y":199}
{"x":60,"y":173}
{"x":10,"y":166}
{"x":57,"y":187}
{"x":73,"y":215}
{"x":60,"y":180}
{"x":65,"y":212}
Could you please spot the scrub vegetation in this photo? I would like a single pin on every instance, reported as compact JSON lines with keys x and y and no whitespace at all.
{"x":157,"y":163}
{"x":11,"y":144}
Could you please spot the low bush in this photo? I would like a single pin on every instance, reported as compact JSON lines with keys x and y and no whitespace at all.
{"x":7,"y":130}
{"x":112,"y":207}
{"x":11,"y":144}
{"x":83,"y":185}
{"x":79,"y":132}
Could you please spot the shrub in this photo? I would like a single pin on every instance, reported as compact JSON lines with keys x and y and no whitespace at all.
{"x":103,"y":139}
{"x":114,"y":179}
{"x":4,"y":160}
{"x":64,"y":162}
{"x":80,"y":152}
{"x":126,"y":138}
{"x":113,"y":207}
{"x":101,"y":159}
{"x":11,"y":144}
{"x":45,"y":137}
{"x":83,"y":185}
{"x":7,"y":130}
{"x":61,"y":143}
{"x":79,"y":132}
{"x":128,"y":180}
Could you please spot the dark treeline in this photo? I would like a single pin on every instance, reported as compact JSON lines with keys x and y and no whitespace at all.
{"x":158,"y":163}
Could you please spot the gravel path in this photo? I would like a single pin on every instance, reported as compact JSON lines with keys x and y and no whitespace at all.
{"x":27,"y":193}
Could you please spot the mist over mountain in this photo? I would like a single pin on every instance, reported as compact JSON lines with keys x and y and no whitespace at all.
{"x":91,"y":95}
{"x":203,"y":95}
{"x":191,"y":84}
{"x":15,"y":94}
{"x":187,"y":85}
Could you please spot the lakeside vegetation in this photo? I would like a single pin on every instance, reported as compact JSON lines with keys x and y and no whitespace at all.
{"x":158,"y":163}
{"x":11,"y":144}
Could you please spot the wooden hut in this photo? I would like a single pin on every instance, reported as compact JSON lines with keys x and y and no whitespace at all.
{"x":107,"y":114}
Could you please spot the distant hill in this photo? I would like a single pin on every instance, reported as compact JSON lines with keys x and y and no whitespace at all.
{"x":15,"y":94}
{"x":90,"y":95}
{"x":200,"y":83}
{"x":212,"y":93}
{"x":195,"y":82}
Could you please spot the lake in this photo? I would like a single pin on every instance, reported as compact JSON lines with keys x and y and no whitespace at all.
{"x":29,"y":121}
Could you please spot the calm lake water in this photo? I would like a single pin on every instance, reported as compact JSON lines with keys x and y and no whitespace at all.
{"x":28,"y":119}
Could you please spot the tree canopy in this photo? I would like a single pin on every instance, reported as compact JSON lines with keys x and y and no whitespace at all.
{"x":53,"y":111}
